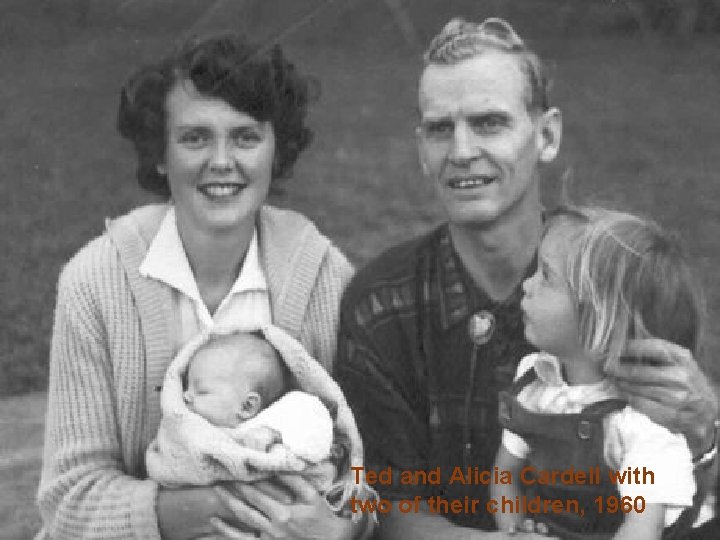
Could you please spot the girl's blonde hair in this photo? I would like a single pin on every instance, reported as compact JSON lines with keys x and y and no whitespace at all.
{"x":631,"y":280}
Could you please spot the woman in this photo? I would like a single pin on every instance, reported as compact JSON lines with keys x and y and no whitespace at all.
{"x":215,"y":125}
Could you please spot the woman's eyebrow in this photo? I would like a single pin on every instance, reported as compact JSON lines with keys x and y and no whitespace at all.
{"x":191,"y":125}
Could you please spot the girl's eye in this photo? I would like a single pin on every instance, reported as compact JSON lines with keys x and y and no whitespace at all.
{"x":544,"y":272}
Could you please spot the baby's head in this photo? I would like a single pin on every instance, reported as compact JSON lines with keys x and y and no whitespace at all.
{"x":233,"y":377}
{"x":615,"y":277}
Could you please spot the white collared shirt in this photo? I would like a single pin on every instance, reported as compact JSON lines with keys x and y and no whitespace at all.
{"x":247,"y":303}
{"x":631,"y":438}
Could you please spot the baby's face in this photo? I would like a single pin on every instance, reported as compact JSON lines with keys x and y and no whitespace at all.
{"x":213,"y":389}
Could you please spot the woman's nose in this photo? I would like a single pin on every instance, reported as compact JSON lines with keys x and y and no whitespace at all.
{"x":221,"y":160}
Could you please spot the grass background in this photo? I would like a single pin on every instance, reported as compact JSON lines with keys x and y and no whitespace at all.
{"x":642,"y":127}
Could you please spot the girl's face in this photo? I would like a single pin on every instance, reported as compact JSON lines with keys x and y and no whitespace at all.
{"x":218,"y":161}
{"x":549,"y":306}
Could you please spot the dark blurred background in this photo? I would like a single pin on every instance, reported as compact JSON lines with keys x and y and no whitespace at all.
{"x":637,"y":80}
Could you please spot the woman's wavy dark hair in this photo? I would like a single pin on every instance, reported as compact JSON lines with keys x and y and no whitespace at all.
{"x":253,"y":80}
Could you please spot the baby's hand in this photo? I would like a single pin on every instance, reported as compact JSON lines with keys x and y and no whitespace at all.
{"x":260,"y":438}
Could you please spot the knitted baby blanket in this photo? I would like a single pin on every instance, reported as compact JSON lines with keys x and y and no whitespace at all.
{"x":190,"y":450}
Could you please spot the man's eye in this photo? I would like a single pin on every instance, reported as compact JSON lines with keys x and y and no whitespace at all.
{"x":488,"y":124}
{"x":438,"y":130}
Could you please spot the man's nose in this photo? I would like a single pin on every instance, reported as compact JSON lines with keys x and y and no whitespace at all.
{"x":464,"y":147}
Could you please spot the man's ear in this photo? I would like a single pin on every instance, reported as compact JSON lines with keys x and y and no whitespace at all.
{"x":550,"y":134}
{"x":161,"y":169}
{"x":251,"y":405}
{"x":421,"y":150}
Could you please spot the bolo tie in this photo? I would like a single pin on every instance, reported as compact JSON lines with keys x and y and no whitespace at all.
{"x":481,"y":327}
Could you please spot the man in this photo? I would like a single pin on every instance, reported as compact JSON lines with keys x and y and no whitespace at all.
{"x":432,"y":329}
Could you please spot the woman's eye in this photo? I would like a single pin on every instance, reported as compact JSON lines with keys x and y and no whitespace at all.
{"x":193,"y":139}
{"x":247,"y":138}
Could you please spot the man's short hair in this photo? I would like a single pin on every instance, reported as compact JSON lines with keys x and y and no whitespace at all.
{"x":460,"y":40}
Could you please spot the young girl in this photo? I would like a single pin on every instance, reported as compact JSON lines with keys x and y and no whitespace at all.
{"x":603,"y":278}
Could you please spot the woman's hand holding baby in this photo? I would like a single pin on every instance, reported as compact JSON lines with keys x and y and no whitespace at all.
{"x":287,"y":507}
{"x":189,"y":513}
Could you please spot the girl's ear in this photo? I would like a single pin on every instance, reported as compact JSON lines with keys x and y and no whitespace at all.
{"x":251,"y":405}
{"x":550,"y":134}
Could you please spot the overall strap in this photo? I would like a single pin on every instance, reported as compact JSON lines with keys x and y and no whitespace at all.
{"x":521,"y":382}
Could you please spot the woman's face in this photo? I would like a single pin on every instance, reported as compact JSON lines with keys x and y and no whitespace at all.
{"x":218,"y":161}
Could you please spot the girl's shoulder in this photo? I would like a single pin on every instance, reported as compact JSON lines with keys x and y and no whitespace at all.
{"x":630,"y":432}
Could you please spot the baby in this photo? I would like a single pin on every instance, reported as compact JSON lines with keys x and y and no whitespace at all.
{"x":238,"y":381}
{"x":228,"y":414}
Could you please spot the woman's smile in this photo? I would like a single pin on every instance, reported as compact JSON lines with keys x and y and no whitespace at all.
{"x":220,"y":190}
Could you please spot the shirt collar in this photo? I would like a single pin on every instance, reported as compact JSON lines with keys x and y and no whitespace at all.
{"x":547,"y":367}
{"x":459,"y":297}
{"x":167,"y":261}
{"x":548,"y":370}
{"x":251,"y":277}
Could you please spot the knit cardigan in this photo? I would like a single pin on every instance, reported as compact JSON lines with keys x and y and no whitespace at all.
{"x":111,"y":345}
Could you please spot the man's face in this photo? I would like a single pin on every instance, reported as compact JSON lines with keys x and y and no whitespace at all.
{"x":478,"y":142}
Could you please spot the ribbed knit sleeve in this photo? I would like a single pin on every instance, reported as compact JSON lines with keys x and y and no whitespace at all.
{"x":320,"y":324}
{"x":86,"y":491}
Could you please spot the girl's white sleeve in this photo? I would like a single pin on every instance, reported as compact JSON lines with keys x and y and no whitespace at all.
{"x":649,"y":461}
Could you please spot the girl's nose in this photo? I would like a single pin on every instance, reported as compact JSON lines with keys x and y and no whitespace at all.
{"x":527,"y":284}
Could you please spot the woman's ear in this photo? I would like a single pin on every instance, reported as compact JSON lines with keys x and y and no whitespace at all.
{"x":251,"y":405}
{"x":550,"y":134}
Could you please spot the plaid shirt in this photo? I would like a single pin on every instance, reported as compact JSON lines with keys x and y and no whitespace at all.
{"x":405,"y":360}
